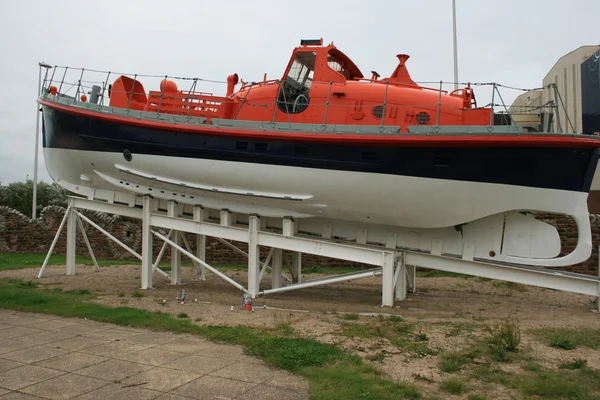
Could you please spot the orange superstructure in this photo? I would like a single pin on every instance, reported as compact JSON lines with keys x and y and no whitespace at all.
{"x":321,"y":85}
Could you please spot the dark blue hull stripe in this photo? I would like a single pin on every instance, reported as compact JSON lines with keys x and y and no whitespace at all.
{"x":562,"y":168}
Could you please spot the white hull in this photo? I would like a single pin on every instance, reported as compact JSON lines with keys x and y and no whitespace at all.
{"x":465,"y":219}
{"x":353,"y":196}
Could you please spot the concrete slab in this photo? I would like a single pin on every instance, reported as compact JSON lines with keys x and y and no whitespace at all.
{"x":151,"y":356}
{"x":83,"y":328}
{"x":25,"y":319}
{"x":154,"y":338}
{"x":187,"y":345}
{"x":17,"y":332}
{"x":18,"y":378}
{"x":9,"y":345}
{"x":50,"y":325}
{"x":223,"y":351}
{"x":112,"y":334}
{"x":210,"y":387}
{"x":45,"y":337}
{"x":119,"y":392}
{"x":271,"y":393}
{"x":113,"y":349}
{"x":19,"y":396}
{"x":76,"y":343}
{"x":161,"y":379}
{"x":3,"y":391}
{"x":72,"y":361}
{"x":253,"y":373}
{"x":64,"y":387}
{"x":9,"y":364}
{"x":34,"y":354}
{"x":114,"y":370}
{"x":199,"y":364}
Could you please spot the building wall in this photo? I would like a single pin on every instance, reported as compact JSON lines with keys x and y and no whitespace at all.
{"x":566,"y":74}
{"x":525,"y":110}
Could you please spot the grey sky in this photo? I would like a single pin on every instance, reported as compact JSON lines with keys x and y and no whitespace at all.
{"x":513,"y":42}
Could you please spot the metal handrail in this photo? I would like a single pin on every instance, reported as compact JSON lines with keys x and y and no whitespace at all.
{"x":84,"y":80}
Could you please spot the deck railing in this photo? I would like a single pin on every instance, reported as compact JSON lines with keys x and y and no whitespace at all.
{"x":194,"y":98}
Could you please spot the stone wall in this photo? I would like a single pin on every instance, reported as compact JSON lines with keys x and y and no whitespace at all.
{"x":20,"y":234}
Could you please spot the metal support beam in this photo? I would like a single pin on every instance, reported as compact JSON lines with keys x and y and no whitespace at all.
{"x":277,"y":268}
{"x":193,"y":257}
{"x":387,"y":279}
{"x":200,"y":216}
{"x":325,"y":281}
{"x":411,"y":277}
{"x":87,"y":243}
{"x":58,"y":232}
{"x":175,"y":254}
{"x":253,"y":255}
{"x":534,"y":276}
{"x":108,"y":235}
{"x":296,"y":267}
{"x":147,"y":266}
{"x":71,"y":242}
{"x":265,"y":265}
{"x":160,"y":256}
{"x":400,"y":278}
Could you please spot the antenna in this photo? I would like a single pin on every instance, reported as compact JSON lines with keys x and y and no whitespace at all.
{"x":454,"y":43}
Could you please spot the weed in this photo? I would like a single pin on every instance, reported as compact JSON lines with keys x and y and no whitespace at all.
{"x":396,"y":318}
{"x":476,"y":397}
{"x":568,"y":339}
{"x":198,"y":319}
{"x":121,"y":294}
{"x":504,"y":337}
{"x":454,"y":386}
{"x":578,"y":363}
{"x":452,"y":362}
{"x":350,"y":317}
{"x":137,"y":294}
{"x":182,"y":315}
{"x":285,"y":328}
{"x":31,"y":284}
{"x":532,"y":367}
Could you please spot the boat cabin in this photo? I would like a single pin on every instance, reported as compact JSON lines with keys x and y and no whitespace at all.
{"x":320,"y":85}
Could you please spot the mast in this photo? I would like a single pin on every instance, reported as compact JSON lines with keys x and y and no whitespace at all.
{"x":454,"y":44}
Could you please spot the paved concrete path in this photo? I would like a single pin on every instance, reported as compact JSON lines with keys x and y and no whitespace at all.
{"x":48,"y":357}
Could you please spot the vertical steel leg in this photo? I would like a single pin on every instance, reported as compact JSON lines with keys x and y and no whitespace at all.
{"x":277,"y":268}
{"x":411,"y":272}
{"x":71,"y":241}
{"x":147,"y":267}
{"x":296,"y":267}
{"x":199,"y":216}
{"x":253,"y":255}
{"x":387,"y":280}
{"x":58,"y":232}
{"x":175,"y":253}
{"x":400,"y":277}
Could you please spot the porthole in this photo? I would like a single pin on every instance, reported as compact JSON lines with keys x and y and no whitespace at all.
{"x":127,"y":155}
{"x":378,"y":112}
{"x":423,"y":118}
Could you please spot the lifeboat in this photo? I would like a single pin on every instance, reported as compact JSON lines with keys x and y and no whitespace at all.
{"x":323,"y":141}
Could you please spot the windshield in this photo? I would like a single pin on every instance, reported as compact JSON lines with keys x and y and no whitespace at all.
{"x":303,"y":68}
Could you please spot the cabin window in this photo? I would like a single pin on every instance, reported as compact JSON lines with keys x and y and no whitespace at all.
{"x":338,"y":66}
{"x":295,"y":89}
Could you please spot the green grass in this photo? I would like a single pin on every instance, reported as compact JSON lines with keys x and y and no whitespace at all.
{"x":578,"y":363}
{"x":137,"y":294}
{"x":35,"y":260}
{"x":454,"y":386}
{"x":568,"y":339}
{"x":182,"y":315}
{"x":350,"y":317}
{"x":332,"y":372}
{"x":452,"y":362}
